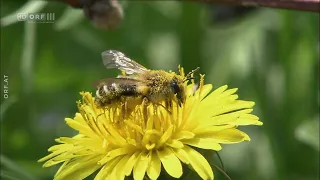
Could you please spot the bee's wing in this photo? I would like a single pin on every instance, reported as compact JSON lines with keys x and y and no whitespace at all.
{"x":115,"y":59}
{"x":127,"y":81}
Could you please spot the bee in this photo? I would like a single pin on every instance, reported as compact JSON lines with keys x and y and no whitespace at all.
{"x":139,"y":84}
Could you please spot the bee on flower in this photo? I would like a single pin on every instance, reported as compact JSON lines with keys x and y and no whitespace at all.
{"x":152,"y":137}
{"x":140,"y":85}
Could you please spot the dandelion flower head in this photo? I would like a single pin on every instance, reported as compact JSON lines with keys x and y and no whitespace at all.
{"x":115,"y":146}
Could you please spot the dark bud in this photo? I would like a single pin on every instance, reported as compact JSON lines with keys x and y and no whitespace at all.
{"x":105,"y":14}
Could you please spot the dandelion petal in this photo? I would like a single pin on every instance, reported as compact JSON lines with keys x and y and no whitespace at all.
{"x":166,"y":135}
{"x":154,"y":168}
{"x":203,"y":143}
{"x":107,"y":170}
{"x":117,"y":169}
{"x":199,"y":163}
{"x":131,"y":162}
{"x":114,"y":153}
{"x":56,"y":151}
{"x":82,"y":128}
{"x":205,"y":90}
{"x":182,"y":155}
{"x":175,"y":143}
{"x":229,"y":136}
{"x":80,"y":168}
{"x":102,"y":173}
{"x":184,"y":135}
{"x":141,"y":166}
{"x":170,"y":162}
{"x":120,"y":167}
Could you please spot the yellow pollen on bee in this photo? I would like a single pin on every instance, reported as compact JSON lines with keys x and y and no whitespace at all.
{"x":142,"y":89}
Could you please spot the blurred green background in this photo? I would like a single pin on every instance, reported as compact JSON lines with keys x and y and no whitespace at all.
{"x":272,"y":56}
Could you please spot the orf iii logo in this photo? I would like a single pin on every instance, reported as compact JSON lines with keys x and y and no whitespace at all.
{"x":36,"y":17}
{"x":22,"y":16}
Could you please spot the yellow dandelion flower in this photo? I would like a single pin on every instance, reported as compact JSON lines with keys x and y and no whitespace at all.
{"x":136,"y":146}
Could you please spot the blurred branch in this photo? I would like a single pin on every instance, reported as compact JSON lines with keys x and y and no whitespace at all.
{"x":302,"y":5}
{"x":108,"y":14}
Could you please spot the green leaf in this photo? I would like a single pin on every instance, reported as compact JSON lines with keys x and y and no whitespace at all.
{"x":308,"y":133}
{"x":14,"y":171}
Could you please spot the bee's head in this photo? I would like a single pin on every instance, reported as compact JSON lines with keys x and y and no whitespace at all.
{"x":178,"y":89}
{"x":178,"y":86}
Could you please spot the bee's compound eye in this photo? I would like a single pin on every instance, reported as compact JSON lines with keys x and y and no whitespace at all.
{"x":175,"y":87}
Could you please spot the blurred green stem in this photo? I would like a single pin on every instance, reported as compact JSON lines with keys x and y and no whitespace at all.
{"x":28,"y":55}
{"x":7,"y":175}
{"x":5,"y":106}
{"x":13,"y":169}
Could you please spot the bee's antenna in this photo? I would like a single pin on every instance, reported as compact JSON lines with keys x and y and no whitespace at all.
{"x":187,"y":79}
{"x":189,"y":75}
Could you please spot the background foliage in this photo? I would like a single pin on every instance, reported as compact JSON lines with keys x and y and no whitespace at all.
{"x":272,"y":56}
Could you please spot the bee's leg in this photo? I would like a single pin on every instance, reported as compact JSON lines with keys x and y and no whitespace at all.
{"x":124,"y":110}
{"x":145,"y":103}
{"x":128,"y":109}
{"x":164,"y":107}
{"x":99,"y":115}
{"x":168,"y":106}
{"x":103,"y":113}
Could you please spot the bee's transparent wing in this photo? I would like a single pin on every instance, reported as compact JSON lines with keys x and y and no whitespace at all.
{"x":127,"y":81}
{"x":115,"y":59}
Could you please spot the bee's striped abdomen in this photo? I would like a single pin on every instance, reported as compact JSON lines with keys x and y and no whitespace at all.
{"x":110,"y":93}
{"x":127,"y":90}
